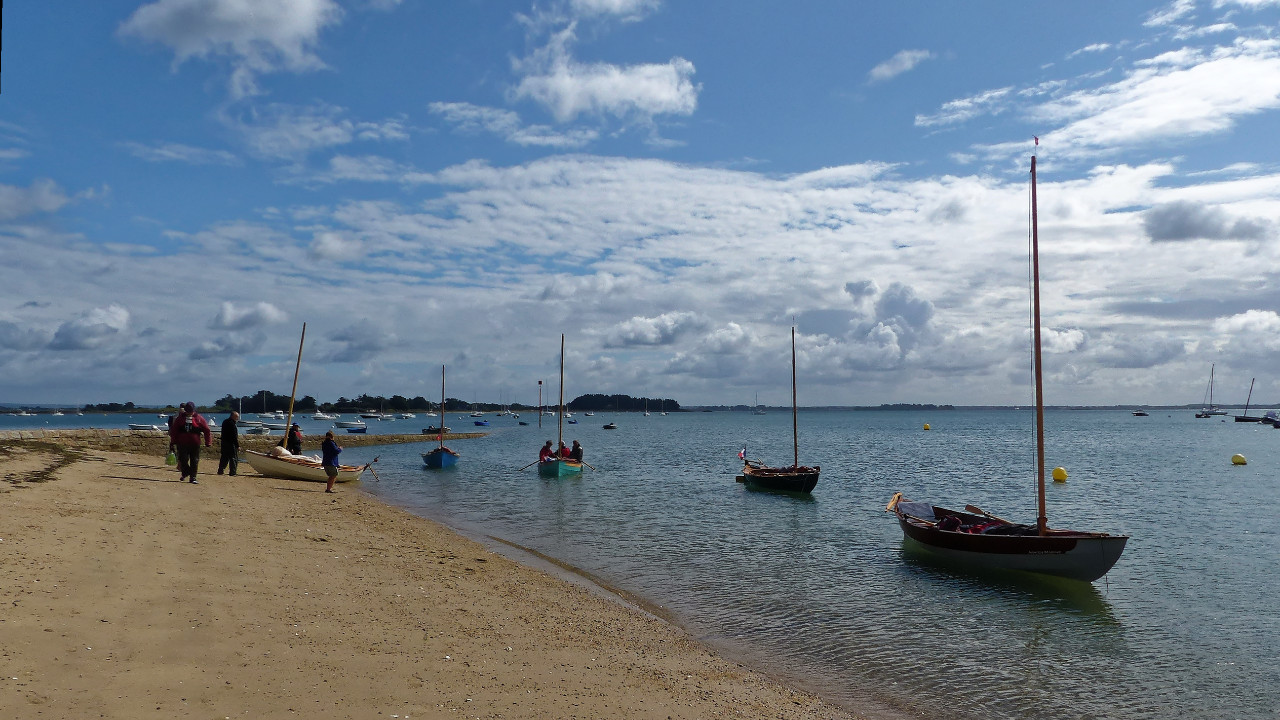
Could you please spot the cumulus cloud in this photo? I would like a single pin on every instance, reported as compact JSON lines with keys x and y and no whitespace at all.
{"x":661,"y":330}
{"x":1186,"y":220}
{"x":42,"y":196}
{"x":230,"y":317}
{"x":903,"y":61}
{"x":259,"y":37}
{"x":568,"y":88}
{"x":507,"y":125}
{"x":93,"y":329}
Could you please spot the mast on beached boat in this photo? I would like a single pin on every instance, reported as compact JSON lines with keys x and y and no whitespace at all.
{"x":560,"y":467}
{"x":797,"y":478}
{"x":979,"y":538}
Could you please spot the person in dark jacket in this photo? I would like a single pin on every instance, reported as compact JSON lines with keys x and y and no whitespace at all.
{"x":294,"y":441}
{"x":329,"y":450}
{"x":576,"y":452}
{"x":184,"y":440}
{"x":230,"y":444}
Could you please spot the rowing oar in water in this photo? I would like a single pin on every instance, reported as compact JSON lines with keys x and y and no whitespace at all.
{"x":526,"y":467}
{"x":584,"y":462}
{"x":375,"y":472}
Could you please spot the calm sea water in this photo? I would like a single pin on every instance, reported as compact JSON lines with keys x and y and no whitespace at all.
{"x":822,"y":591}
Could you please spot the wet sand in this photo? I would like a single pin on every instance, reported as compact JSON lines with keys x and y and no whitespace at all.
{"x":127,"y":594}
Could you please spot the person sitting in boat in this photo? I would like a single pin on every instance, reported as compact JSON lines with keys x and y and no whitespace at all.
{"x":576,"y":452}
{"x":563,"y":452}
{"x":547,"y":453}
{"x":294,"y":444}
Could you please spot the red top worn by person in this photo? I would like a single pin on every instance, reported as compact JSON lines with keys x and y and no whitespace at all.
{"x":187,"y":427}
{"x":546,"y":453}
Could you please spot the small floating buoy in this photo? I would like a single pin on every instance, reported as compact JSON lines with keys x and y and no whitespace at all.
{"x":1238,"y":459}
{"x":1059,"y":474}
{"x":926,"y":426}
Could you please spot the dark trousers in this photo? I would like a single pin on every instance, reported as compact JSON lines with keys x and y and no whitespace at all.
{"x":188,"y":459}
{"x":230,"y":457}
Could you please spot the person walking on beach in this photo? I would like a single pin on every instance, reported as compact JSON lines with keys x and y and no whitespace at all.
{"x":184,"y":440}
{"x":329,"y":450}
{"x":230,"y":444}
{"x":294,"y":442}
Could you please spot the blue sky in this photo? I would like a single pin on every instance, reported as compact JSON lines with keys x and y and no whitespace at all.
{"x":183,"y":183}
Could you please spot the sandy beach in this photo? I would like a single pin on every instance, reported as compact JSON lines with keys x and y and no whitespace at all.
{"x":127,"y":594}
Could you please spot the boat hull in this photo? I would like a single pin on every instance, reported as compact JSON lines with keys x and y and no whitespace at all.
{"x":1081,"y":556}
{"x":794,"y":480}
{"x":299,"y":469}
{"x":439,"y":458}
{"x":559,"y":468}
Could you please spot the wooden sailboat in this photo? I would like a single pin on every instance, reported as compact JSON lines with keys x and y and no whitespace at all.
{"x":1209,"y":409}
{"x":797,"y":478}
{"x":1246,"y":417}
{"x":296,"y":467}
{"x":981,"y":539}
{"x":440,"y":457}
{"x":560,"y":467}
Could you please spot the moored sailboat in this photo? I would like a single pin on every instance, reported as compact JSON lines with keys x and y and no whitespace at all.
{"x":797,"y":478}
{"x":1246,"y":417}
{"x":440,"y":457}
{"x":1209,"y":409}
{"x":978,"y":538}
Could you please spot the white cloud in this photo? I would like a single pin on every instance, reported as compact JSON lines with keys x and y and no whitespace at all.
{"x":177,"y":152}
{"x":661,"y":330}
{"x":261,"y":36}
{"x":990,"y":102}
{"x":42,"y":196}
{"x":1094,"y":48}
{"x":292,"y":132}
{"x":1176,"y":95}
{"x":568,"y":88}
{"x":1171,"y":13}
{"x":507,"y":125}
{"x":903,"y":61}
{"x":91,"y":330}
{"x":230,"y":317}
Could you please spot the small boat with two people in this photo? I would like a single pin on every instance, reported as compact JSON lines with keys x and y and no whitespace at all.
{"x":560,"y":467}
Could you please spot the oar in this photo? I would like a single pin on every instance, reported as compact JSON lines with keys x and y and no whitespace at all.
{"x":526,"y":467}
{"x":584,"y":462}
{"x":375,"y":472}
{"x":980,"y":511}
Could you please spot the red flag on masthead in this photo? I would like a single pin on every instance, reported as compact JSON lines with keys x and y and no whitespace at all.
{"x":1036,"y":138}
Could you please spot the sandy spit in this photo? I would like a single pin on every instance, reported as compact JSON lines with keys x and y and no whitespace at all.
{"x":126,"y":594}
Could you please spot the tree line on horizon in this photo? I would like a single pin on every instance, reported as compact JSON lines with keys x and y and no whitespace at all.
{"x":265,"y":401}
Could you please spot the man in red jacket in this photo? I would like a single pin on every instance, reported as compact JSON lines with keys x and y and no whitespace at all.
{"x":184,"y":440}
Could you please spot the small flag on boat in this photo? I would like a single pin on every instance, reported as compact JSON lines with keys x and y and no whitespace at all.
{"x":742,"y":454}
{"x":1036,"y":138}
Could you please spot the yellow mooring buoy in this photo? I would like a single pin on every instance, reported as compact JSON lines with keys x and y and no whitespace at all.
{"x":1238,"y":459}
{"x":1059,"y":474}
{"x":926,"y":426}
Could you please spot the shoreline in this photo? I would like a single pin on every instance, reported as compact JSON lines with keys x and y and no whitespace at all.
{"x":135,"y":596}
